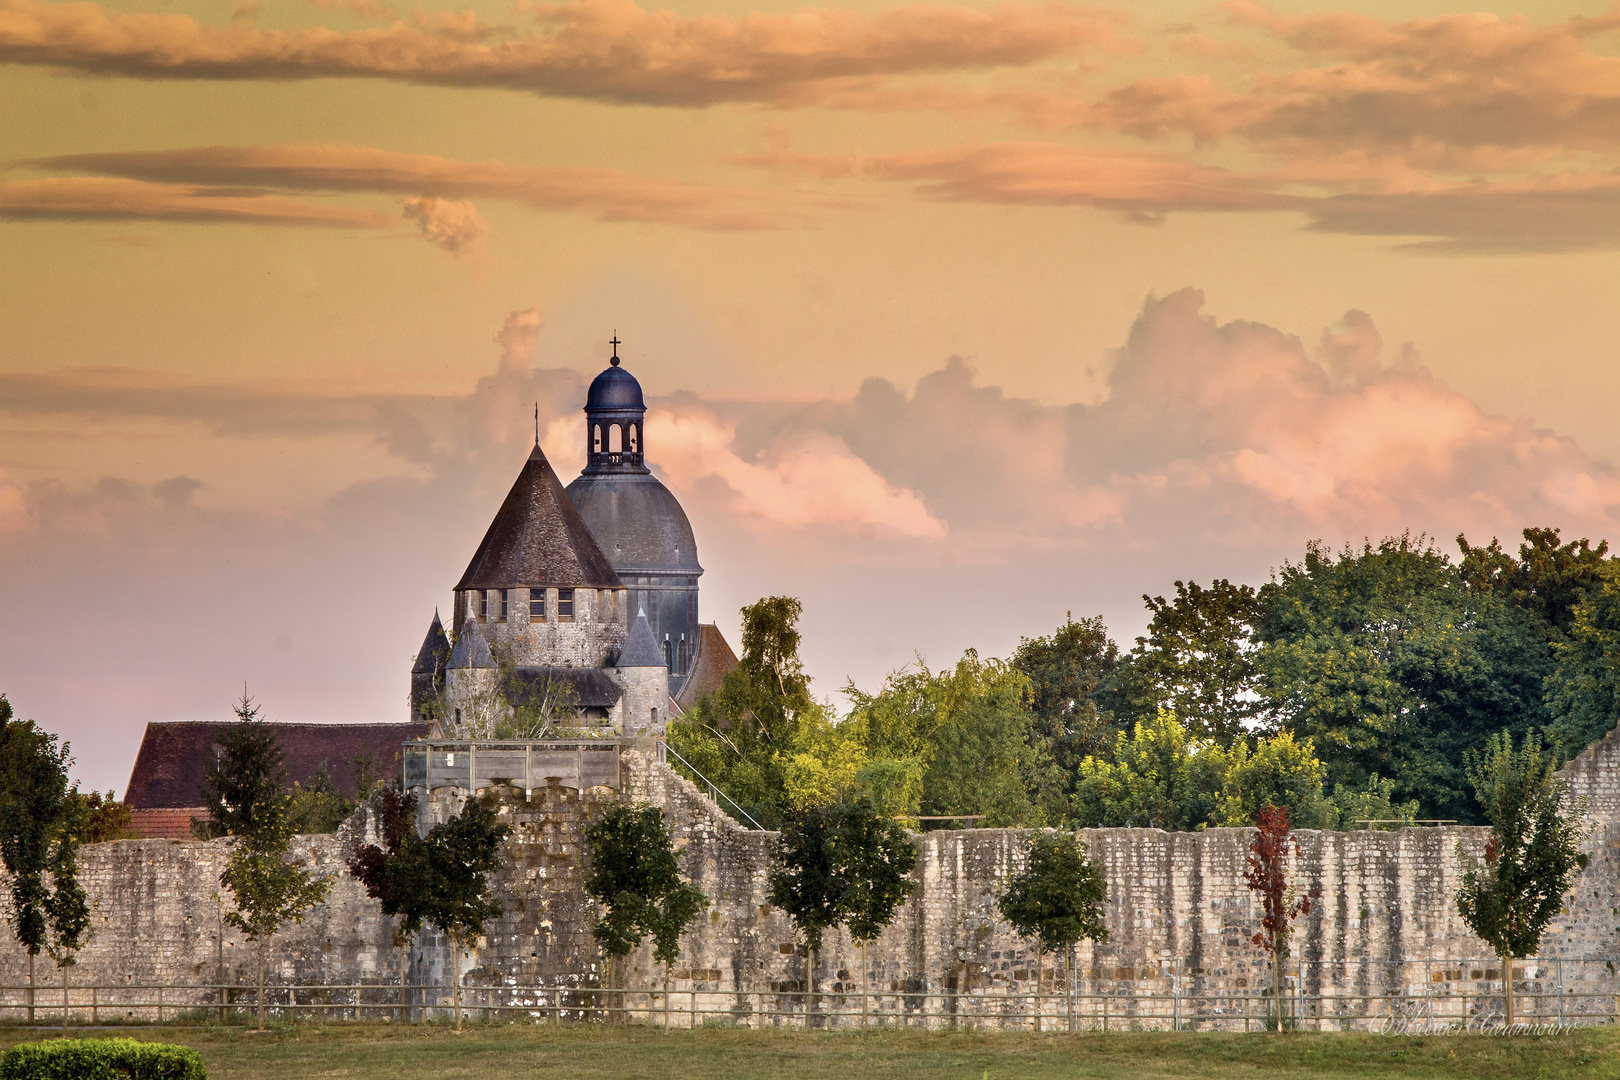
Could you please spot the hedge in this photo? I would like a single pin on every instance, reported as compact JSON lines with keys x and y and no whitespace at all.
{"x":101,"y":1059}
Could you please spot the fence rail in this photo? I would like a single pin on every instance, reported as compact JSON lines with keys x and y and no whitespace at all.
{"x":575,"y":999}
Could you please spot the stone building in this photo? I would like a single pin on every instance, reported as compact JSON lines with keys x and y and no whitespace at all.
{"x":592,"y":588}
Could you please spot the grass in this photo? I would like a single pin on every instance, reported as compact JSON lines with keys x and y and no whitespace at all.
{"x":587,"y":1052}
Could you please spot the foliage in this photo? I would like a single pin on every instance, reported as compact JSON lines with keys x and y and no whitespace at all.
{"x":1198,"y":661}
{"x":101,"y":1059}
{"x":318,"y":806}
{"x":41,"y":824}
{"x":105,"y":818}
{"x":1277,"y":771}
{"x":1392,"y":665}
{"x":1058,"y":897}
{"x":838,"y":864}
{"x":1548,"y":580}
{"x":742,"y":736}
{"x":960,"y":741}
{"x":1266,"y":874}
{"x":247,"y":771}
{"x":1583,"y":692}
{"x":1533,"y":852}
{"x":1066,"y":672}
{"x":461,"y":854}
{"x":635,"y":875}
{"x":396,"y":873}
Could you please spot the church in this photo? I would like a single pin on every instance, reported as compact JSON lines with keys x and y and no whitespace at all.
{"x":580,"y":605}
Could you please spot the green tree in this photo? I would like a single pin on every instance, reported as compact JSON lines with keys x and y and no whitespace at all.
{"x":396,"y":872}
{"x":1583,"y":691}
{"x":1158,"y":779}
{"x":1277,"y":771}
{"x":634,"y":874}
{"x":460,"y":855}
{"x":1531,"y":858}
{"x":841,"y":864}
{"x":105,"y":818}
{"x":1066,"y":672}
{"x":1548,"y":579}
{"x":1197,"y":660}
{"x":267,"y":887}
{"x":317,"y":806}
{"x":741,"y":737}
{"x":1058,"y":899}
{"x":1266,"y":874}
{"x":247,"y":770}
{"x":40,"y":823}
{"x":1393,"y":665}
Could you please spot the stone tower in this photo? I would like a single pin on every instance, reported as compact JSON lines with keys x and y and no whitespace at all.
{"x":638,"y":524}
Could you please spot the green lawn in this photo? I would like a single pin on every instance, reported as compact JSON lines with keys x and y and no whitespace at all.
{"x":379,"y":1052}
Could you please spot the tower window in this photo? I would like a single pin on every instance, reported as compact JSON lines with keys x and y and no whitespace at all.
{"x":615,"y":438}
{"x":504,"y":603}
{"x":667,"y":658}
{"x":635,"y":439}
{"x":596,"y":438}
{"x":483,"y":605}
{"x":565,"y":604}
{"x":537,"y":605}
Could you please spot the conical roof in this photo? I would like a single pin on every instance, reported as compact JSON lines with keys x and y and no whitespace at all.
{"x":538,"y":538}
{"x":642,"y":649}
{"x":472,"y":650}
{"x":435,"y":650}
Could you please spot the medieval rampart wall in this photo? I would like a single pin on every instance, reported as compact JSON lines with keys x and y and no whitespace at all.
{"x":1179,"y":914}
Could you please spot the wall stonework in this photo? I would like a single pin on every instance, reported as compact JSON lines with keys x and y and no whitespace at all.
{"x":1179,"y":914}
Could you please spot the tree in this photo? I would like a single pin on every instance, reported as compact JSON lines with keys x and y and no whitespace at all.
{"x":1531,"y":857}
{"x":247,"y":770}
{"x":268,"y":889}
{"x":1066,"y":672}
{"x":1393,"y":665}
{"x":1159,"y":779}
{"x":741,"y":737}
{"x":317,"y":806}
{"x":837,"y":864}
{"x":245,"y":791}
{"x":1058,"y":899}
{"x":1266,"y":873}
{"x":105,"y":818}
{"x":635,"y":876}
{"x":1583,"y":692}
{"x":1197,"y":660}
{"x":460,"y":855}
{"x":40,"y":824}
{"x":396,"y":873}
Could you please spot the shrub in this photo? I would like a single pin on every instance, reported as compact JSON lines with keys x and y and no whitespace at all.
{"x":101,"y":1059}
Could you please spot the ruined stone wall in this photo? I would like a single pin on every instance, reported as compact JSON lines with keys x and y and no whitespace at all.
{"x":1179,"y":916}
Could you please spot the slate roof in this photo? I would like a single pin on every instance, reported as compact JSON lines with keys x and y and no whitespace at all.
{"x":593,"y":687}
{"x":472,"y":648}
{"x":169,"y":767}
{"x":714,"y":658}
{"x":641,"y":650}
{"x":430,"y":659}
{"x":637,"y":521}
{"x":538,"y":538}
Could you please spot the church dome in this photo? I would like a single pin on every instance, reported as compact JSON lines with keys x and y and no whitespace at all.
{"x":637,"y":522}
{"x":615,"y":388}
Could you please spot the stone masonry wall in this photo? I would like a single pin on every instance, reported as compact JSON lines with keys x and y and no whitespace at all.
{"x":1179,"y":916}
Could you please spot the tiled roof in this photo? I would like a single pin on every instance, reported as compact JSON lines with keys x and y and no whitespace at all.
{"x":714,"y":658}
{"x":169,"y":767}
{"x":538,"y":538}
{"x":168,"y":823}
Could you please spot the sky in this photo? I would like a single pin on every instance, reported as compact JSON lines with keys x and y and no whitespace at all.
{"x":953,"y":318}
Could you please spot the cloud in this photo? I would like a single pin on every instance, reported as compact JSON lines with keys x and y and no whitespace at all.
{"x":453,"y":226}
{"x":98,"y":199}
{"x":806,"y":478}
{"x":517,"y":338}
{"x":603,"y":50}
{"x":609,"y":194}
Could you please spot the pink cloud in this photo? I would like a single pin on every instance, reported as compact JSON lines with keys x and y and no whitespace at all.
{"x":453,"y":226}
{"x":96,"y":198}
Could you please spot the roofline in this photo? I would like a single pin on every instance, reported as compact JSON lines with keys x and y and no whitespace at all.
{"x":289,"y":723}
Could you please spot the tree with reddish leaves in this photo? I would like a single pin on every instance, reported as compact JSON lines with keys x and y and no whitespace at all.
{"x":1267,"y":874}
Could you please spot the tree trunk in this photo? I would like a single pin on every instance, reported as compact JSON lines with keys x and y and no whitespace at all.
{"x":1277,"y":987}
{"x":404,"y":966}
{"x":1507,"y":987}
{"x":455,"y":981}
{"x":30,"y":986}
{"x":1039,"y":956}
{"x":64,"y":1000}
{"x":263,"y":946}
{"x":666,"y":995}
{"x":864,"y":997}
{"x":1068,"y":984}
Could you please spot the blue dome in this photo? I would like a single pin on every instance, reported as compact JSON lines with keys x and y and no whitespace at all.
{"x":615,"y":388}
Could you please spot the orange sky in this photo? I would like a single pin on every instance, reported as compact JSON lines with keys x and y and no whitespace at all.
{"x":957,"y":317}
